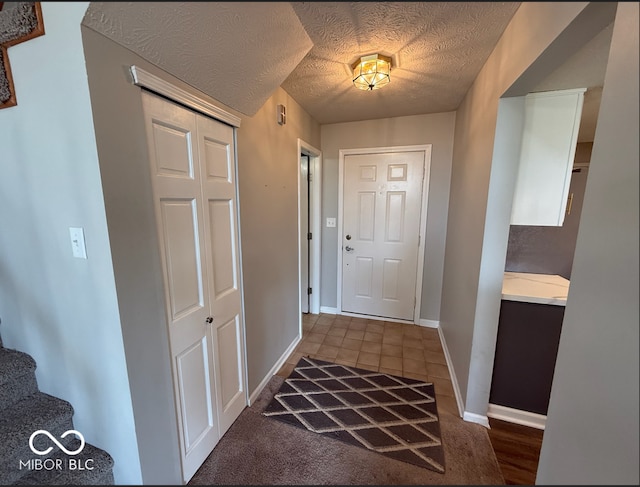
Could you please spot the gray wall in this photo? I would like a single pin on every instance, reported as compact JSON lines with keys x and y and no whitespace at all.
{"x":539,"y":38}
{"x":118,"y":118}
{"x":268,"y":162}
{"x":267,"y":177}
{"x":591,"y":434}
{"x":435,"y":129}
{"x":61,"y":310}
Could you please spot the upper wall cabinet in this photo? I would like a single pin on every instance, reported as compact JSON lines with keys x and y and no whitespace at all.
{"x":550,"y":135}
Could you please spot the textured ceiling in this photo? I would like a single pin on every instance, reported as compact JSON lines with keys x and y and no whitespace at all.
{"x":438,"y":48}
{"x":238,"y":53}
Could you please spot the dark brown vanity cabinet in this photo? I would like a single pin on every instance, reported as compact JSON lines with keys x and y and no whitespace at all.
{"x":526,"y":349}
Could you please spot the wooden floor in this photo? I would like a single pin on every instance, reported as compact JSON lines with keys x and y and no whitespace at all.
{"x":517,"y":449}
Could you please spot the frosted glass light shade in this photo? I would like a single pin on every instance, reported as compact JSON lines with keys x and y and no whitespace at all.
{"x":371,"y":72}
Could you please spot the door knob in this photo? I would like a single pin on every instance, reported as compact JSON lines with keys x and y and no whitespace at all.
{"x":209,"y":319}
{"x":349,"y":249}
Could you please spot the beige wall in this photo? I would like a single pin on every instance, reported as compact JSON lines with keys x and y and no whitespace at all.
{"x":268,"y":180}
{"x":435,"y":129}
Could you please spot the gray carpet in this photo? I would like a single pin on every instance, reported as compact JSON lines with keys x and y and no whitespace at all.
{"x":257,"y":450}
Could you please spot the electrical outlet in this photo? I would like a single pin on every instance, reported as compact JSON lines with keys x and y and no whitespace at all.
{"x":331,"y":222}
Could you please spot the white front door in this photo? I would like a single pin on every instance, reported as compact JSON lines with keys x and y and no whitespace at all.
{"x":193,"y":177}
{"x":382,"y":201}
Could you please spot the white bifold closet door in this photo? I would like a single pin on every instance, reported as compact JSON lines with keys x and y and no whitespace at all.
{"x":194,"y":192}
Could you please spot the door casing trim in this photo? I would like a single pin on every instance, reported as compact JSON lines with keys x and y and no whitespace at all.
{"x":426,"y":148}
{"x":315,"y":166}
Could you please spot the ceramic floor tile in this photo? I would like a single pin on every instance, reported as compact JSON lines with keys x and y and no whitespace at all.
{"x":413,"y":331}
{"x":294,"y":358}
{"x":307,"y":347}
{"x":348,"y":355}
{"x":314,"y":337}
{"x":375,"y":327}
{"x":333,"y":341}
{"x":372,"y":337}
{"x":325,"y":320}
{"x":417,"y":366}
{"x":392,"y":339}
{"x":411,"y":342}
{"x":371,"y":347}
{"x":413,"y":353}
{"x":432,"y":346}
{"x":343,"y":325}
{"x":369,"y":358}
{"x":351,"y":344}
{"x":415,"y":375}
{"x":395,"y":372}
{"x":328,"y":351}
{"x":438,"y":370}
{"x":443,"y":386}
{"x":391,"y":362}
{"x":337,"y":332}
{"x":357,"y":326}
{"x":434,"y":357}
{"x":354,"y":334}
{"x":348,"y":363}
{"x":391,"y":350}
{"x":362,"y":365}
{"x":321,"y":328}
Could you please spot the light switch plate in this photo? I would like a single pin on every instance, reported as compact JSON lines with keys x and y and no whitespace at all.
{"x":331,"y":222}
{"x":77,"y":242}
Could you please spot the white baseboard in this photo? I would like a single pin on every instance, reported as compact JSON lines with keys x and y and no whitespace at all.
{"x":452,"y":372}
{"x":279,"y":363}
{"x":328,"y":310}
{"x":517,"y":416}
{"x":476,"y":418}
{"x":429,"y":323}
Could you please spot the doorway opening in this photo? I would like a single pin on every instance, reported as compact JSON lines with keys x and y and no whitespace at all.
{"x":309,"y":206}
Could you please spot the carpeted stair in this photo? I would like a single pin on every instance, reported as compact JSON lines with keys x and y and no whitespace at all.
{"x":24,"y":410}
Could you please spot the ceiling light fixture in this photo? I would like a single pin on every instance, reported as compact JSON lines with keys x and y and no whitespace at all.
{"x":371,"y":72}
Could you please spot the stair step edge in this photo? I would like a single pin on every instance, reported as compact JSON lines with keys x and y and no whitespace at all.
{"x":14,"y":364}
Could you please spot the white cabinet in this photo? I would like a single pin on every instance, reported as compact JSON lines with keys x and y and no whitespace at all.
{"x":550,"y":135}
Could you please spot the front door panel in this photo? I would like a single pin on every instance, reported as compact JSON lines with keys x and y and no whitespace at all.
{"x":382,"y":201}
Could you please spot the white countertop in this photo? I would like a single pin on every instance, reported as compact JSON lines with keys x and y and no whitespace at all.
{"x":535,"y":288}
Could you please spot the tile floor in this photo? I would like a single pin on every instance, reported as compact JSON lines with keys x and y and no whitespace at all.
{"x":393,"y":348}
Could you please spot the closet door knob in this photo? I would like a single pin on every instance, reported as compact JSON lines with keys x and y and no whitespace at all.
{"x":209,"y":319}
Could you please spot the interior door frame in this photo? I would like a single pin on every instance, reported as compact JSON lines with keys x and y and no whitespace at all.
{"x":426,"y":148}
{"x":315,"y":167}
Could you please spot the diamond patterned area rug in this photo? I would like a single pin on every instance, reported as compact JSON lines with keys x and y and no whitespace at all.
{"x":390,"y":415}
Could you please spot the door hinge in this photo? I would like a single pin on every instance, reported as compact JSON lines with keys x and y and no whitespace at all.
{"x":309,"y":176}
{"x":309,"y":290}
{"x":419,"y":237}
{"x":309,"y":236}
